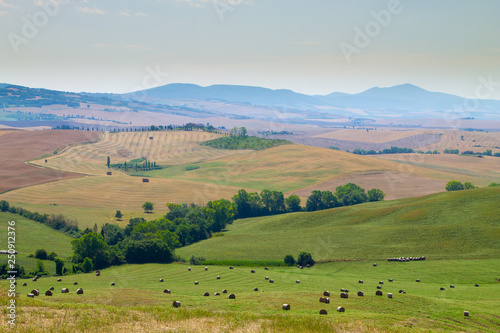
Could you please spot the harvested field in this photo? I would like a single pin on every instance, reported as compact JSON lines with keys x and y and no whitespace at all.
{"x":395,"y":184}
{"x":465,"y":140}
{"x":374,"y":136}
{"x":21,"y":146}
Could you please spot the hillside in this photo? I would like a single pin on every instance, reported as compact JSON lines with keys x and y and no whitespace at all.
{"x":460,"y":224}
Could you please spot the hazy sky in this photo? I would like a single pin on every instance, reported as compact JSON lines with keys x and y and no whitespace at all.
{"x":309,"y":46}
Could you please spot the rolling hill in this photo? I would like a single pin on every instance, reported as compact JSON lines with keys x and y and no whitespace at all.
{"x":461,"y":224}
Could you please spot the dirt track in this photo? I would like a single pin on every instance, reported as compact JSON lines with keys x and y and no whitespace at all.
{"x":16,"y":147}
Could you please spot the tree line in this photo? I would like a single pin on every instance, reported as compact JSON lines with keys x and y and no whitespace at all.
{"x":392,"y":150}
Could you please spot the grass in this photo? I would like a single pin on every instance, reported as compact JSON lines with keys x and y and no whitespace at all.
{"x":462,"y":224}
{"x":30,"y":236}
{"x":138,"y":299}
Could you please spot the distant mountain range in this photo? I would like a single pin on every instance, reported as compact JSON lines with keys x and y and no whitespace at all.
{"x":402,"y":101}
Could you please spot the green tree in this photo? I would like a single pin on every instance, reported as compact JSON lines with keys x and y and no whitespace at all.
{"x":4,"y":206}
{"x":147,"y":206}
{"x":52,"y":256}
{"x":351,"y":194}
{"x":87,"y":265}
{"x":289,"y":260}
{"x":454,"y":185}
{"x":468,"y":186}
{"x":91,"y":245}
{"x":376,"y":195}
{"x":293,"y":203}
{"x":118,"y":215}
{"x":59,"y":266}
{"x":488,"y":152}
{"x":41,"y":254}
{"x":313,"y":202}
{"x":108,"y":163}
{"x":221,"y":213}
{"x":40,"y":268}
{"x":305,"y":258}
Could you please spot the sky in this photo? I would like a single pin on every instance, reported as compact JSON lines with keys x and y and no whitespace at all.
{"x":308,"y":46}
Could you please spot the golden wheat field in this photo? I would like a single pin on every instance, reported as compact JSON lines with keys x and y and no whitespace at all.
{"x":165,"y":148}
{"x":476,"y":141}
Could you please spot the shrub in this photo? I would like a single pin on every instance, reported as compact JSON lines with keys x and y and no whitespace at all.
{"x":41,"y":254}
{"x":52,"y":256}
{"x":289,"y":260}
{"x":196,"y":260}
{"x":305,"y":258}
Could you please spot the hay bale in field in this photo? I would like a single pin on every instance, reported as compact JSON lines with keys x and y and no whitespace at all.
{"x":167,"y":291}
{"x":297,"y":281}
{"x":271,"y":281}
{"x":189,"y":268}
{"x":64,"y":290}
{"x":109,"y":173}
{"x":232,"y":296}
{"x":342,"y":289}
{"x":79,"y":291}
{"x":301,"y":267}
{"x":206,"y":294}
{"x":25,"y":284}
{"x":476,"y":285}
{"x":252,"y":271}
{"x":45,"y":161}
{"x":360,"y":293}
{"x":267,"y":277}
{"x":308,"y":265}
{"x":360,"y":281}
{"x":389,"y":295}
{"x":206,"y":268}
{"x":401,"y":291}
{"x":35,"y":292}
{"x":59,"y":280}
{"x":466,"y":313}
{"x":176,"y":304}
{"x":218,"y":277}
{"x":216,"y":294}
{"x":161,"y":280}
{"x":230,"y":267}
{"x":31,"y":295}
{"x":97,"y":273}
{"x":51,"y":288}
{"x":224,"y":291}
{"x":48,"y":293}
{"x":378,"y":293}
{"x":374,"y":265}
{"x":34,"y":279}
{"x":452,"y":286}
{"x":417,"y":280}
{"x":196,"y":282}
{"x":325,"y":300}
{"x":379,"y":287}
{"x":112,"y":283}
{"x":442,"y":288}
{"x":344,"y":295}
{"x":145,"y":180}
{"x":255,"y":289}
{"x":75,"y":284}
{"x":391,"y":280}
{"x":326,"y":293}
{"x":266,"y":268}
{"x":323,"y":312}
{"x":381,"y":282}
{"x":150,"y":138}
{"x":340,"y":309}
{"x":286,"y":307}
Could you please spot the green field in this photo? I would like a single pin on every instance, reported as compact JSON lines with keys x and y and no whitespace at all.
{"x":462,"y":224}
{"x":30,"y":236}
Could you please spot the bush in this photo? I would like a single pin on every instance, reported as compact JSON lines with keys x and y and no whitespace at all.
{"x":194,"y":260}
{"x":41,"y":254}
{"x":59,"y":266}
{"x":305,"y":258}
{"x":52,"y":256}
{"x":87,"y":265}
{"x":289,"y":260}
{"x":191,"y":167}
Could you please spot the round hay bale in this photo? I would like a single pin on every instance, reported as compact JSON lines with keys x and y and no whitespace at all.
{"x":51,"y":288}
{"x":167,"y":291}
{"x":271,"y":281}
{"x":286,"y":307}
{"x":206,"y":294}
{"x":347,"y":290}
{"x":417,"y":280}
{"x":267,"y":277}
{"x":218,"y":277}
{"x":298,"y":281}
{"x":48,"y":293}
{"x":224,"y":291}
{"x":25,"y":284}
{"x":342,"y":289}
{"x":322,"y":299}
{"x":161,"y":280}
{"x":308,"y":265}
{"x":59,"y":280}
{"x":206,"y":268}
{"x":196,"y":282}
{"x":401,"y":291}
{"x":230,"y":267}
{"x":64,"y":290}
{"x":389,"y":295}
{"x":176,"y":304}
{"x":381,"y":282}
{"x":79,"y":291}
{"x":344,"y":295}
{"x":97,"y":273}
{"x":252,"y":271}
{"x":360,"y":293}
{"x":75,"y":284}
{"x":301,"y":267}
{"x":216,"y":294}
{"x":360,"y":281}
{"x":391,"y":280}
{"x":466,"y":313}
{"x":189,"y":268}
{"x":476,"y":285}
{"x":378,"y":293}
{"x":31,"y":295}
{"x":326,"y":293}
{"x":232,"y":296}
{"x":442,"y":288}
{"x":266,"y":268}
{"x":35,"y":292}
{"x":452,"y":286}
{"x":323,"y":312}
{"x":374,"y":265}
{"x":255,"y":289}
{"x":340,"y":309}
{"x":112,"y":283}
{"x":379,"y":287}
